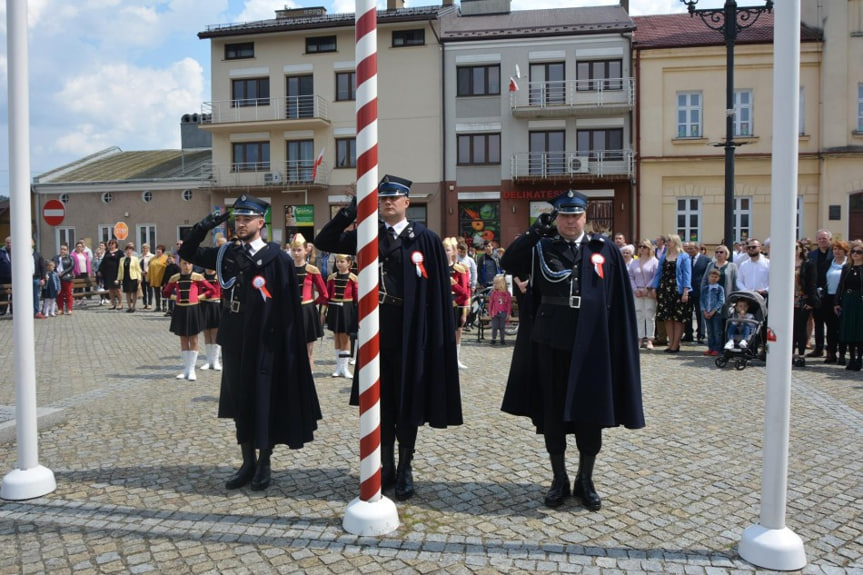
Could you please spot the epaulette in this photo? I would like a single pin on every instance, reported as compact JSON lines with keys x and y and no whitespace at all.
{"x":174,"y":278}
{"x":596,"y":239}
{"x":196,"y":277}
{"x":331,"y":277}
{"x":459,"y":268}
{"x":354,"y":278}
{"x":310,"y":269}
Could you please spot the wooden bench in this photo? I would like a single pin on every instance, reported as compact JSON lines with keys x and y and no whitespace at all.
{"x":87,"y":287}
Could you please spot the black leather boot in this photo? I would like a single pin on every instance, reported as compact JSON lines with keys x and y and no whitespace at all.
{"x":261,"y":480}
{"x":559,"y":489}
{"x":388,"y":466}
{"x":583,"y":487}
{"x":404,"y":474}
{"x":246,"y":471}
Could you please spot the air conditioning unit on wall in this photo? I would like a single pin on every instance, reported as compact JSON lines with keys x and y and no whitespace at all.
{"x":273,"y":177}
{"x":579,"y":165}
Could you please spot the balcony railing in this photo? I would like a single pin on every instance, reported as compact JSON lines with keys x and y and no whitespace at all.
{"x":553,"y":165}
{"x":287,"y":173}
{"x":266,"y":109}
{"x":580,"y":94}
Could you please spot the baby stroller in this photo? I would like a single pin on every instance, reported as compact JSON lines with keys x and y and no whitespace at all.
{"x":741,"y":350}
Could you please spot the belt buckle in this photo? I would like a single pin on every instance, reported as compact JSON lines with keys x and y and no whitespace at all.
{"x":575,"y":301}
{"x":235,"y":306}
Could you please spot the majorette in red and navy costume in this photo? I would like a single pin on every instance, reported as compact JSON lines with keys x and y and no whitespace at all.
{"x":187,"y":291}
{"x":342,"y":304}
{"x":309,"y":279}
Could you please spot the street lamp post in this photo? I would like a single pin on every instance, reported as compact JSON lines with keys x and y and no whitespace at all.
{"x":730,"y":20}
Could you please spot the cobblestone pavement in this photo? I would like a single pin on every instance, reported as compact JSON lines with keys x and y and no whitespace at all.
{"x":140,"y":460}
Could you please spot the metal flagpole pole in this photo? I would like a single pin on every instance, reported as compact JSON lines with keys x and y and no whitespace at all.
{"x":30,"y":479}
{"x":371,"y":513}
{"x":770,"y":543}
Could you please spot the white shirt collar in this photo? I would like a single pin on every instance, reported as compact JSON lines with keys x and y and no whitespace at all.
{"x":256,"y":244}
{"x":399,"y":227}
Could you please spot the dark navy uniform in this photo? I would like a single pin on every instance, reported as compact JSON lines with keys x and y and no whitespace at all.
{"x":419,"y":380}
{"x":267,"y":386}
{"x":582,"y":345}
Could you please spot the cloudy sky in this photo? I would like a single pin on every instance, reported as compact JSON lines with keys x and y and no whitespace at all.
{"x":122,"y":72}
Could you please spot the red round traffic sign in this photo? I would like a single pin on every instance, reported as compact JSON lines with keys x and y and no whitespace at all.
{"x":54,"y":211}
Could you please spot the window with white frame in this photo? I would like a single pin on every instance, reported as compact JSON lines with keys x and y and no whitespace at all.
{"x":743,"y":113}
{"x":64,"y":235}
{"x":860,"y":107}
{"x":105,"y":233}
{"x":742,"y":219}
{"x":801,"y":115}
{"x":689,"y":219}
{"x":689,"y":115}
{"x":146,"y":234}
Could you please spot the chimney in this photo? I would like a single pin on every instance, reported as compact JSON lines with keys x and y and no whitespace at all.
{"x":395,"y":4}
{"x":625,"y":5}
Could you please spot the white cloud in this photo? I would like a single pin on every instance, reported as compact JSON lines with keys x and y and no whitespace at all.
{"x":120,"y":103}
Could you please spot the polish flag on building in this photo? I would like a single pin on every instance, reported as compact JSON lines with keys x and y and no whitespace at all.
{"x":318,"y":161}
{"x":513,"y":87}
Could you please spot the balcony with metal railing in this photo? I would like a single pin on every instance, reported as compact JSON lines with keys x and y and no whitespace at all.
{"x":293,"y":112}
{"x":539,"y":166}
{"x":290,"y":173}
{"x":570,"y":97}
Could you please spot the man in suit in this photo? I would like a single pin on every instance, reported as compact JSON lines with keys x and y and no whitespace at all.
{"x":822,"y":257}
{"x":578,"y":370}
{"x":700,"y":262}
{"x":419,"y":381}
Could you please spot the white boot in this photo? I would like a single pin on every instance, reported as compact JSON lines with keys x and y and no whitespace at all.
{"x":209,"y":356}
{"x":185,"y":374}
{"x":338,"y":371}
{"x":458,"y":357}
{"x":344,"y":363}
{"x":190,"y":366}
{"x":217,"y":357}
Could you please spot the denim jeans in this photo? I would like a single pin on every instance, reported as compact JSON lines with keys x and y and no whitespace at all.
{"x":715,"y":336}
{"x":37,"y":293}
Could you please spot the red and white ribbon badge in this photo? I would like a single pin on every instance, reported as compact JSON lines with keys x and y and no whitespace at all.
{"x":260,"y":284}
{"x":597,"y":260}
{"x":418,"y":259}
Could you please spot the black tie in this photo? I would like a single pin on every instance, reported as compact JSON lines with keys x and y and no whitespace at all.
{"x":248,"y":248}
{"x":394,"y":233}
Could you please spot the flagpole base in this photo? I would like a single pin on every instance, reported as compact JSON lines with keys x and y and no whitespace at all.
{"x":370,"y":518}
{"x":777,"y":549}
{"x":21,"y":484}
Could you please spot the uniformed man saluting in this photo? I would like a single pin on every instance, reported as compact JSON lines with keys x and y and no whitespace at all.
{"x":418,"y":369}
{"x":267,"y":386}
{"x":580,"y":340}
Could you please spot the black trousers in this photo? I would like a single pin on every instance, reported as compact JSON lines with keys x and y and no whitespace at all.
{"x":554,"y":371}
{"x":801,"y":318}
{"x":819,"y":316}
{"x":392,"y":426}
{"x":831,"y":320}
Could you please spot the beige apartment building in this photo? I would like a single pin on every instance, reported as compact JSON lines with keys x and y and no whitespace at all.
{"x":284,"y":95}
{"x":680,"y":67}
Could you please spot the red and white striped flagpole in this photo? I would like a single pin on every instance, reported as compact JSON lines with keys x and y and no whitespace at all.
{"x":371,"y":513}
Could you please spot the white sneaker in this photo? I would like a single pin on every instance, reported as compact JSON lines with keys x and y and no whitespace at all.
{"x":729,"y":344}
{"x":743,"y":344}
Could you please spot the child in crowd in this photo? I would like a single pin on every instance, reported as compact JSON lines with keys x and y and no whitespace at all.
{"x":187,"y":287}
{"x":739,"y":330}
{"x":50,"y":291}
{"x":712,"y":300}
{"x":342,"y":312}
{"x":499,"y":309}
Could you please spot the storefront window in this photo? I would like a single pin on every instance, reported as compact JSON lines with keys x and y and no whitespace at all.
{"x":479,"y":222}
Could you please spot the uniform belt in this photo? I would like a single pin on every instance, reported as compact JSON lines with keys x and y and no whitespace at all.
{"x":573,"y":301}
{"x":389,"y":300}
{"x":338,"y":303}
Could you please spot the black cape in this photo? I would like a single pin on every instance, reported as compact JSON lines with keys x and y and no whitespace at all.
{"x":604,"y":384}
{"x":430,"y":389}
{"x":276,"y":391}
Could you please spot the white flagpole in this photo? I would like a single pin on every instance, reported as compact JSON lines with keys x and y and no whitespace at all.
{"x":770,"y":543}
{"x":30,"y":479}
